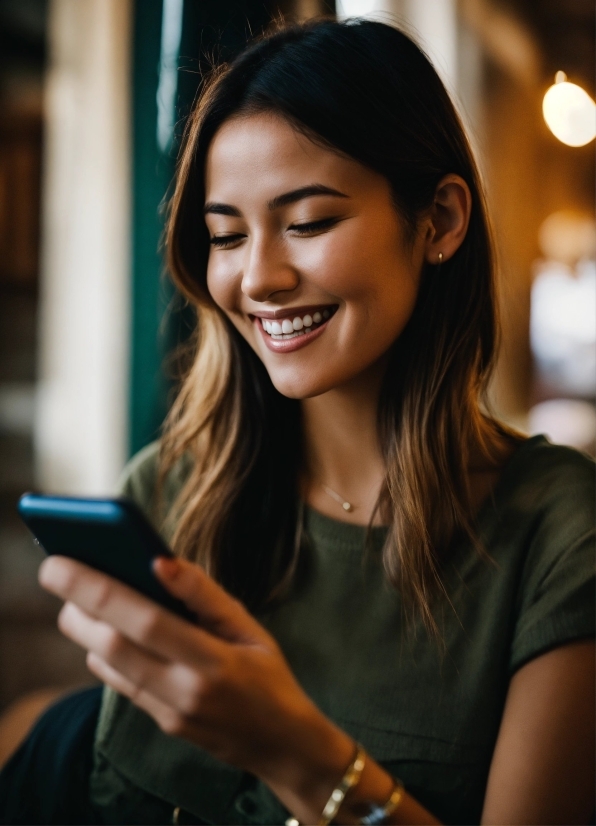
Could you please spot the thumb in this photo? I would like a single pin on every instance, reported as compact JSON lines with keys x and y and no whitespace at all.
{"x":217,"y":611}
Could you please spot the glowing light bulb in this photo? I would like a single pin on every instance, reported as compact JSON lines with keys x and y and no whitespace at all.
{"x":569,"y":112}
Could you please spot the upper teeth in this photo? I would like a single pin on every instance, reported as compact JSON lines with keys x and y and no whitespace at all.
{"x":294,"y":326}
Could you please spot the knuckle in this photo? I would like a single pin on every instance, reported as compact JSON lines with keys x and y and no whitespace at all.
{"x":101,"y":595}
{"x":112,"y":646}
{"x":98,"y":666}
{"x":147,"y":625}
{"x":63,"y":621}
{"x":136,"y":694}
{"x":195,"y":696}
{"x":172,"y":723}
{"x":209,"y":688}
{"x":68,"y":580}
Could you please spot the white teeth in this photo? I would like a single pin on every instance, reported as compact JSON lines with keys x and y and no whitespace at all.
{"x":295,"y":334}
{"x":289,"y":328}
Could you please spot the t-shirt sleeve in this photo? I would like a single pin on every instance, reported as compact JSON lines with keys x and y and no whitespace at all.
{"x":557,"y":593}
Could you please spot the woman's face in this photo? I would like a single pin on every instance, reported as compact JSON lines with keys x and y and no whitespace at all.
{"x":308,"y":256}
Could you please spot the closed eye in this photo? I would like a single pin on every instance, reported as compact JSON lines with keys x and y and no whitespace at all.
{"x":310,"y":228}
{"x":313,"y":227}
{"x":224,"y":241}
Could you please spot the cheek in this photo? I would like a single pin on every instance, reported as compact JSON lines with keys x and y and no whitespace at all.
{"x":222,"y":283}
{"x":335,"y":262}
{"x":369,"y":272}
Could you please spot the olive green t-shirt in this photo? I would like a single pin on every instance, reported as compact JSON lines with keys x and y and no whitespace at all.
{"x":428,"y":710}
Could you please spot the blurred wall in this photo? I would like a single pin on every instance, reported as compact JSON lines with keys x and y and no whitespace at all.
{"x":81,"y":423}
{"x":172,"y":45}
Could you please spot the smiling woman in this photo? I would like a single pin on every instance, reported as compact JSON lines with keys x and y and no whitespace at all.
{"x":328,"y":259}
{"x":394,"y":593}
{"x":334,"y":180}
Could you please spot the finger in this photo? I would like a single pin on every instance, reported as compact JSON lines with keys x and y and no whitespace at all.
{"x":169,"y":719}
{"x":102,"y":639}
{"x":173,"y":683}
{"x":216,"y":610}
{"x":137,"y":617}
{"x":108,"y":675}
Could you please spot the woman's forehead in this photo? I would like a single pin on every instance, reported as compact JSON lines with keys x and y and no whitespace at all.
{"x":263,"y":154}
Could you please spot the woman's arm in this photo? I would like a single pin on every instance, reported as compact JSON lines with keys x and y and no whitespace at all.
{"x":543,"y":765}
{"x":542,"y":769}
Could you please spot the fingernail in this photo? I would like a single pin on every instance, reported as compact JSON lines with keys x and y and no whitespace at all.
{"x":167,"y":566}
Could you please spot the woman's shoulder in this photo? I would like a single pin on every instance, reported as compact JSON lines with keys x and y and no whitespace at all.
{"x":544,"y":505}
{"x":140,"y":478}
{"x":548,"y":479}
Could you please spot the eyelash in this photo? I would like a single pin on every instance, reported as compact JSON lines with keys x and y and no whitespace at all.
{"x":223,"y":241}
{"x":313,"y":226}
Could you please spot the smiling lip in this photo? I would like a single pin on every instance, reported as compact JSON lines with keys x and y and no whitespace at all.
{"x":289,"y":345}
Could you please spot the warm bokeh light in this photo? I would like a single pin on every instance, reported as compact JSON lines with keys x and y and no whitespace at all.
{"x":569,"y":112}
{"x":568,"y":236}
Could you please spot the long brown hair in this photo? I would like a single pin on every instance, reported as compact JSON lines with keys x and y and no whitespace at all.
{"x":367,"y":90}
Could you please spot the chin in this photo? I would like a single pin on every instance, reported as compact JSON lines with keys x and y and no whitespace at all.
{"x":297,"y":385}
{"x":304,"y":384}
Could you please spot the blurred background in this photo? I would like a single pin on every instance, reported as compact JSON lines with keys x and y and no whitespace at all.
{"x":93,"y":98}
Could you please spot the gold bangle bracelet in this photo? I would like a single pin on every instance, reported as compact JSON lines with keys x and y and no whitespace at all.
{"x":349,"y":780}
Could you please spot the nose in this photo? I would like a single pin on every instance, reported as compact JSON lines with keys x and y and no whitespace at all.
{"x":266,"y":271}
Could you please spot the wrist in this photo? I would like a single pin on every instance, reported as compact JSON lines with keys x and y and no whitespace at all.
{"x":312,"y":762}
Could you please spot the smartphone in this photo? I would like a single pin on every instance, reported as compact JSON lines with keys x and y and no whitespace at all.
{"x":111,"y":535}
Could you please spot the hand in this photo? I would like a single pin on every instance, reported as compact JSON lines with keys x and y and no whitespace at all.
{"x":224,"y":684}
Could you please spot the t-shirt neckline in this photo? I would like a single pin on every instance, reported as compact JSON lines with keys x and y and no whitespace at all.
{"x":330,"y":530}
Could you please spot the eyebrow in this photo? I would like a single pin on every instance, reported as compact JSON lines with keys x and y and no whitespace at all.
{"x":310,"y":191}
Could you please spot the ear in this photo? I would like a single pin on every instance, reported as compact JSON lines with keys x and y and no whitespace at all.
{"x":448,"y":220}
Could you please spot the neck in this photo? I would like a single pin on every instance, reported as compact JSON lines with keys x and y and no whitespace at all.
{"x":342,"y":448}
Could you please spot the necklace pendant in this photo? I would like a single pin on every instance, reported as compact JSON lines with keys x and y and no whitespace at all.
{"x":347,"y":506}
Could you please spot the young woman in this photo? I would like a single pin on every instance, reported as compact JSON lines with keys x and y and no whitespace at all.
{"x":372,"y":558}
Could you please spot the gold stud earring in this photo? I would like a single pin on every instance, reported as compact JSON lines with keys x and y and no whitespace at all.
{"x":440,"y":258}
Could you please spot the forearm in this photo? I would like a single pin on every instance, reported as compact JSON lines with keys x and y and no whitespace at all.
{"x":304,"y":780}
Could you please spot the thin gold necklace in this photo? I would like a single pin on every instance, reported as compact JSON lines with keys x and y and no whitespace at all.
{"x":347,"y":506}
